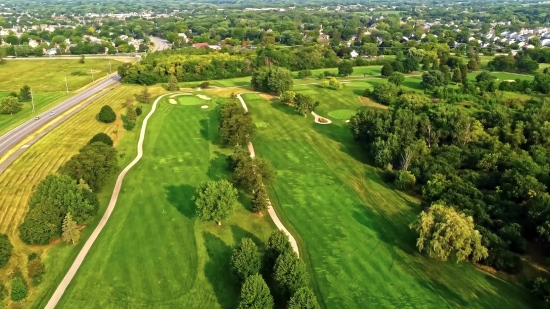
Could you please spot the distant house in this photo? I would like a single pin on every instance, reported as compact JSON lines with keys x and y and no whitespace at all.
{"x":323,"y":38}
{"x":545,"y":42}
{"x":33,"y":43}
{"x":51,"y":52}
{"x":184,"y":36}
{"x":354,"y":54}
{"x":199,"y":45}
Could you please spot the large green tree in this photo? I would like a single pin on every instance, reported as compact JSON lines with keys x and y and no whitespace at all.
{"x":304,"y":298}
{"x":215,"y":200}
{"x":345,"y":68}
{"x":236,"y":125}
{"x":255,"y":294}
{"x":289,"y":275}
{"x":94,"y":163}
{"x":70,"y":233}
{"x":272,"y":79}
{"x":106,"y":114}
{"x":445,"y":232}
{"x":10,"y":105}
{"x":304,"y":104}
{"x":246,"y":259}
{"x":25,"y":94}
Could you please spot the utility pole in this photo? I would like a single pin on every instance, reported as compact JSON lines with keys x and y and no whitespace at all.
{"x":92,"y":71}
{"x":66,"y":85}
{"x":110,"y":70}
{"x":32,"y":100}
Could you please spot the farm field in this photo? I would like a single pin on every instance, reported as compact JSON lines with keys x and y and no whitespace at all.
{"x":49,"y":75}
{"x":45,"y":157}
{"x":154,"y":252}
{"x":349,"y":222}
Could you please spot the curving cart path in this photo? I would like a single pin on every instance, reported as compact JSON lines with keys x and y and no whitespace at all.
{"x":270,"y":209}
{"x":84,"y":251}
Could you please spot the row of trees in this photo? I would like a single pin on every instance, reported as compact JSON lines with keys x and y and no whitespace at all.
{"x":60,"y":202}
{"x":490,"y":163}
{"x":286,"y":281}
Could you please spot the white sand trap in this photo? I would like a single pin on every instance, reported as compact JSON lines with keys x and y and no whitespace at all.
{"x":172,"y":101}
{"x":318,"y":119}
{"x":510,"y":81}
{"x":204,"y":106}
{"x":347,"y":121}
{"x":202,"y":96}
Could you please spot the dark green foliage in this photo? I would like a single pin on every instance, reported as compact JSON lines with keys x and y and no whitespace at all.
{"x":247,"y":168}
{"x":94,"y":164}
{"x":5,"y":250}
{"x":10,"y":105}
{"x":36,"y":270}
{"x":236,"y":126}
{"x":139,"y":111}
{"x":384,"y":93}
{"x":260,"y":200}
{"x":215,"y":200}
{"x":19,"y":290}
{"x":50,"y":202}
{"x":272,"y":79}
{"x":246,"y":260}
{"x":304,"y":74}
{"x":433,"y":79}
{"x":404,"y":180}
{"x":540,"y":289}
{"x":106,"y":114}
{"x":255,"y":294}
{"x":276,"y":245}
{"x":387,"y":70}
{"x":173,"y":84}
{"x":396,"y":78}
{"x":25,"y":94}
{"x":289,"y":275}
{"x":144,"y":96}
{"x":103,"y":138}
{"x":304,"y":104}
{"x":345,"y":68}
{"x":304,"y":298}
{"x":204,"y":85}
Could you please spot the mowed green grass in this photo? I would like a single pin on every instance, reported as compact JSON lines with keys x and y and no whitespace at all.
{"x":154,"y":252}
{"x":41,"y":100}
{"x":352,"y":228}
{"x":49,"y":75}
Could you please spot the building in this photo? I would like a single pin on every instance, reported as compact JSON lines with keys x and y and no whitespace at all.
{"x":354,"y":54}
{"x":199,"y":45}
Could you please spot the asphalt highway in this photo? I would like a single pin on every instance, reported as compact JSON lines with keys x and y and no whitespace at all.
{"x":10,"y":139}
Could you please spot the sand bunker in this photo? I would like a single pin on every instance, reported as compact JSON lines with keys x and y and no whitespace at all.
{"x":347,"y":121}
{"x":321,"y":120}
{"x":204,"y":106}
{"x":172,"y":101}
{"x":203,"y":97}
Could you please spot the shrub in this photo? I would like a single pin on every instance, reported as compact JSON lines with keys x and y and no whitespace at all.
{"x":204,"y":85}
{"x":404,"y":180}
{"x":246,"y":260}
{"x":304,"y":74}
{"x":255,"y":294}
{"x":139,"y":111}
{"x":102,"y":138}
{"x":107,"y":114}
{"x":5,"y":250}
{"x":19,"y":290}
{"x":36,"y":270}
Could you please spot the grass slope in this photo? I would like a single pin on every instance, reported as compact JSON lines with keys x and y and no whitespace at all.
{"x":154,"y":253}
{"x":45,"y":157}
{"x":352,"y":227}
{"x":49,"y":75}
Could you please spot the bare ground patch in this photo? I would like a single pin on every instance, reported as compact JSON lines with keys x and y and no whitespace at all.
{"x":370,"y":103}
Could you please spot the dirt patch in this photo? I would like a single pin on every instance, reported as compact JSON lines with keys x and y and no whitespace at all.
{"x":370,"y":103}
{"x":178,"y":94}
{"x":226,"y":92}
{"x":268,"y":97}
{"x":202,"y":96}
{"x":172,"y":101}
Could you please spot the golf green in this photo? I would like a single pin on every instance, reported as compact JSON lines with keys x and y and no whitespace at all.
{"x":154,"y":252}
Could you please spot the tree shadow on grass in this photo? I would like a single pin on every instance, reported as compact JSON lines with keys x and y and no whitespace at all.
{"x":289,"y":110}
{"x":358,"y":92}
{"x":218,"y":168}
{"x":218,"y":271}
{"x":210,"y":125}
{"x":181,"y":197}
{"x":239,"y":233}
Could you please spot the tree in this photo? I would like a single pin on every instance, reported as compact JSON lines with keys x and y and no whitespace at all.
{"x":82,"y":59}
{"x":246,"y":260}
{"x":272,"y":79}
{"x":433,"y":79}
{"x":106,"y":114}
{"x":260,"y":200}
{"x":288,"y":97}
{"x":304,"y":74}
{"x":473,"y":65}
{"x":10,"y":105}
{"x":131,"y":114}
{"x":5,"y":250}
{"x":276,"y":245}
{"x":385,"y":93}
{"x":304,"y":104}
{"x":144,"y":96}
{"x":304,"y":298}
{"x":289,"y":275}
{"x":246,"y":170}
{"x":94,"y":163}
{"x":335,"y":83}
{"x":139,"y":111}
{"x":103,"y":138}
{"x":236,"y":126}
{"x":173,"y":83}
{"x":19,"y":290}
{"x":345,"y":68}
{"x":215,"y":200}
{"x":25,"y":94}
{"x":255,"y":294}
{"x":457,"y":75}
{"x":70,"y":233}
{"x":444,"y":232}
{"x":404,"y":180}
{"x":387,"y":70}
{"x":54,"y":197}
{"x":396,"y":78}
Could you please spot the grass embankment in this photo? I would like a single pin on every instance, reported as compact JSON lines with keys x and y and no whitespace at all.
{"x":351,"y":225}
{"x":45,"y":157}
{"x":154,"y":252}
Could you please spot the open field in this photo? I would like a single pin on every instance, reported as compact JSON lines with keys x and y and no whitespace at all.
{"x":41,"y":101}
{"x":154,"y":252}
{"x":45,"y":157}
{"x":49,"y":75}
{"x":352,"y":227}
